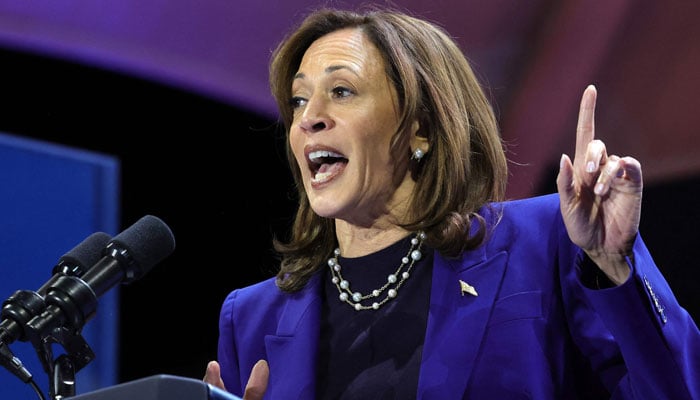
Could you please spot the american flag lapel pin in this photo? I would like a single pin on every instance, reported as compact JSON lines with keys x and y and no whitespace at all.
{"x":467,"y":288}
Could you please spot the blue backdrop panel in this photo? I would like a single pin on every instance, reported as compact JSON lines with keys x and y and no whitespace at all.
{"x":51,"y":198}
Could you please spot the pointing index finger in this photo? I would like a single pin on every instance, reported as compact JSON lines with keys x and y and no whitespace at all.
{"x":585,"y":130}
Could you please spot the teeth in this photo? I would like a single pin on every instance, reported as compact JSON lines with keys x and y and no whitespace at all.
{"x":321,"y":176}
{"x":316,"y":155}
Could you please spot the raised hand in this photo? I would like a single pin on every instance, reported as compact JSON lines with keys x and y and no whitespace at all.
{"x":601,"y":196}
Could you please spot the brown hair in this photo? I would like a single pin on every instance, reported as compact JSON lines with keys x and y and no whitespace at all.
{"x":464,"y":169}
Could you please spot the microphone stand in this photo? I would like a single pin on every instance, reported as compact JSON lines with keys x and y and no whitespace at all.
{"x":63,"y":368}
{"x":70,"y":303}
{"x":63,"y":380}
{"x":46,"y":330}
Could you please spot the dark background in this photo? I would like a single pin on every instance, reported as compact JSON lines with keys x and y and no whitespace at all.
{"x":216,"y":174}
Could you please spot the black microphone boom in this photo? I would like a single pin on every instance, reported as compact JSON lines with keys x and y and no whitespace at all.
{"x":57,"y":312}
{"x":23,"y":305}
{"x":71,"y":301}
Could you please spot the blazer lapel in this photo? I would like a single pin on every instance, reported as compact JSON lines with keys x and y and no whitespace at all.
{"x":456,"y":324}
{"x":292,"y":351}
{"x":457,"y":321}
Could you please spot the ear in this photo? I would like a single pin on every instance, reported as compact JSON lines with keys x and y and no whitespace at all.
{"x":418,"y":141}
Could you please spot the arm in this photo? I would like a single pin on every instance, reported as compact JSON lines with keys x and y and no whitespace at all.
{"x":658,"y":340}
{"x":256,"y":384}
{"x":600,"y":200}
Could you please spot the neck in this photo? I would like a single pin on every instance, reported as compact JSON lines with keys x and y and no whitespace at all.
{"x":354,"y":241}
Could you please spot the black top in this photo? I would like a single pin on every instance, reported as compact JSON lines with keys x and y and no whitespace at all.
{"x":374,"y":354}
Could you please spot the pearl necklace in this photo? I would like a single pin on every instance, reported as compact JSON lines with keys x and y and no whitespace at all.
{"x":354,"y":299}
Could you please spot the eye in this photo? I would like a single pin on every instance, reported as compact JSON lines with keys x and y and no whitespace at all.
{"x":297,"y":101}
{"x":340,"y":92}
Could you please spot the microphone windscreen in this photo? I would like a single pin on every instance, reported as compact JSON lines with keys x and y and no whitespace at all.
{"x":148,"y":241}
{"x":86,"y":253}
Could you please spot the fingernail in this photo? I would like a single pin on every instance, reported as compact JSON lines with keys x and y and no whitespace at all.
{"x":561,"y":162}
{"x":598,"y":189}
{"x":590,"y":167}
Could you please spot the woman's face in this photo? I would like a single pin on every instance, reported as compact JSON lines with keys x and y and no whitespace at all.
{"x":345,"y":114}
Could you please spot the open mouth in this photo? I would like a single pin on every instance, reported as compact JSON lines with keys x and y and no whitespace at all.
{"x":325,"y":164}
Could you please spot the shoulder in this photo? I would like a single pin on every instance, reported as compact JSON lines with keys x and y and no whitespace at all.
{"x":521,"y":211}
{"x":257,"y":310}
{"x":264,"y":291}
{"x":250,"y":311}
{"x":265,"y":301}
{"x":248,"y":302}
{"x":537,"y":205}
{"x":523,"y":220}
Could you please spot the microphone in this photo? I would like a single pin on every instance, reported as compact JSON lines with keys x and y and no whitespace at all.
{"x":79,"y":258}
{"x":71,"y":300}
{"x":23,"y":305}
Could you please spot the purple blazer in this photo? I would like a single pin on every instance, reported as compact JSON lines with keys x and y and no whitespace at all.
{"x":533,"y":332}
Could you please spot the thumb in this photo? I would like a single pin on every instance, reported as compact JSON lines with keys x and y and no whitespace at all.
{"x":565,"y":179}
{"x":212,"y":375}
{"x":257,"y":383}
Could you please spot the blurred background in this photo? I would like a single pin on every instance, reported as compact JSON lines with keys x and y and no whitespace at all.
{"x":177,"y":91}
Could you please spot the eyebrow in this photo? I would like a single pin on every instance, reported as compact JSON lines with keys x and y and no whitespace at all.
{"x":328,"y":70}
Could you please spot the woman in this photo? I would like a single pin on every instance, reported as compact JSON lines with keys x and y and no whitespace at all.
{"x":408,"y":276}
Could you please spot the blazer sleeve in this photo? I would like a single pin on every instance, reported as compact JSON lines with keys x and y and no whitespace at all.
{"x":227,"y":351}
{"x":658,"y":340}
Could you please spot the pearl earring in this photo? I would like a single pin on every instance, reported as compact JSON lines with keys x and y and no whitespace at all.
{"x":417,"y":155}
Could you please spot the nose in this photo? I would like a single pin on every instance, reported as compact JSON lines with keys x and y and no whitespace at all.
{"x":315,"y":117}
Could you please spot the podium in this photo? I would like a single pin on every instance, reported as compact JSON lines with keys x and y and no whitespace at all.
{"x":159,"y":387}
